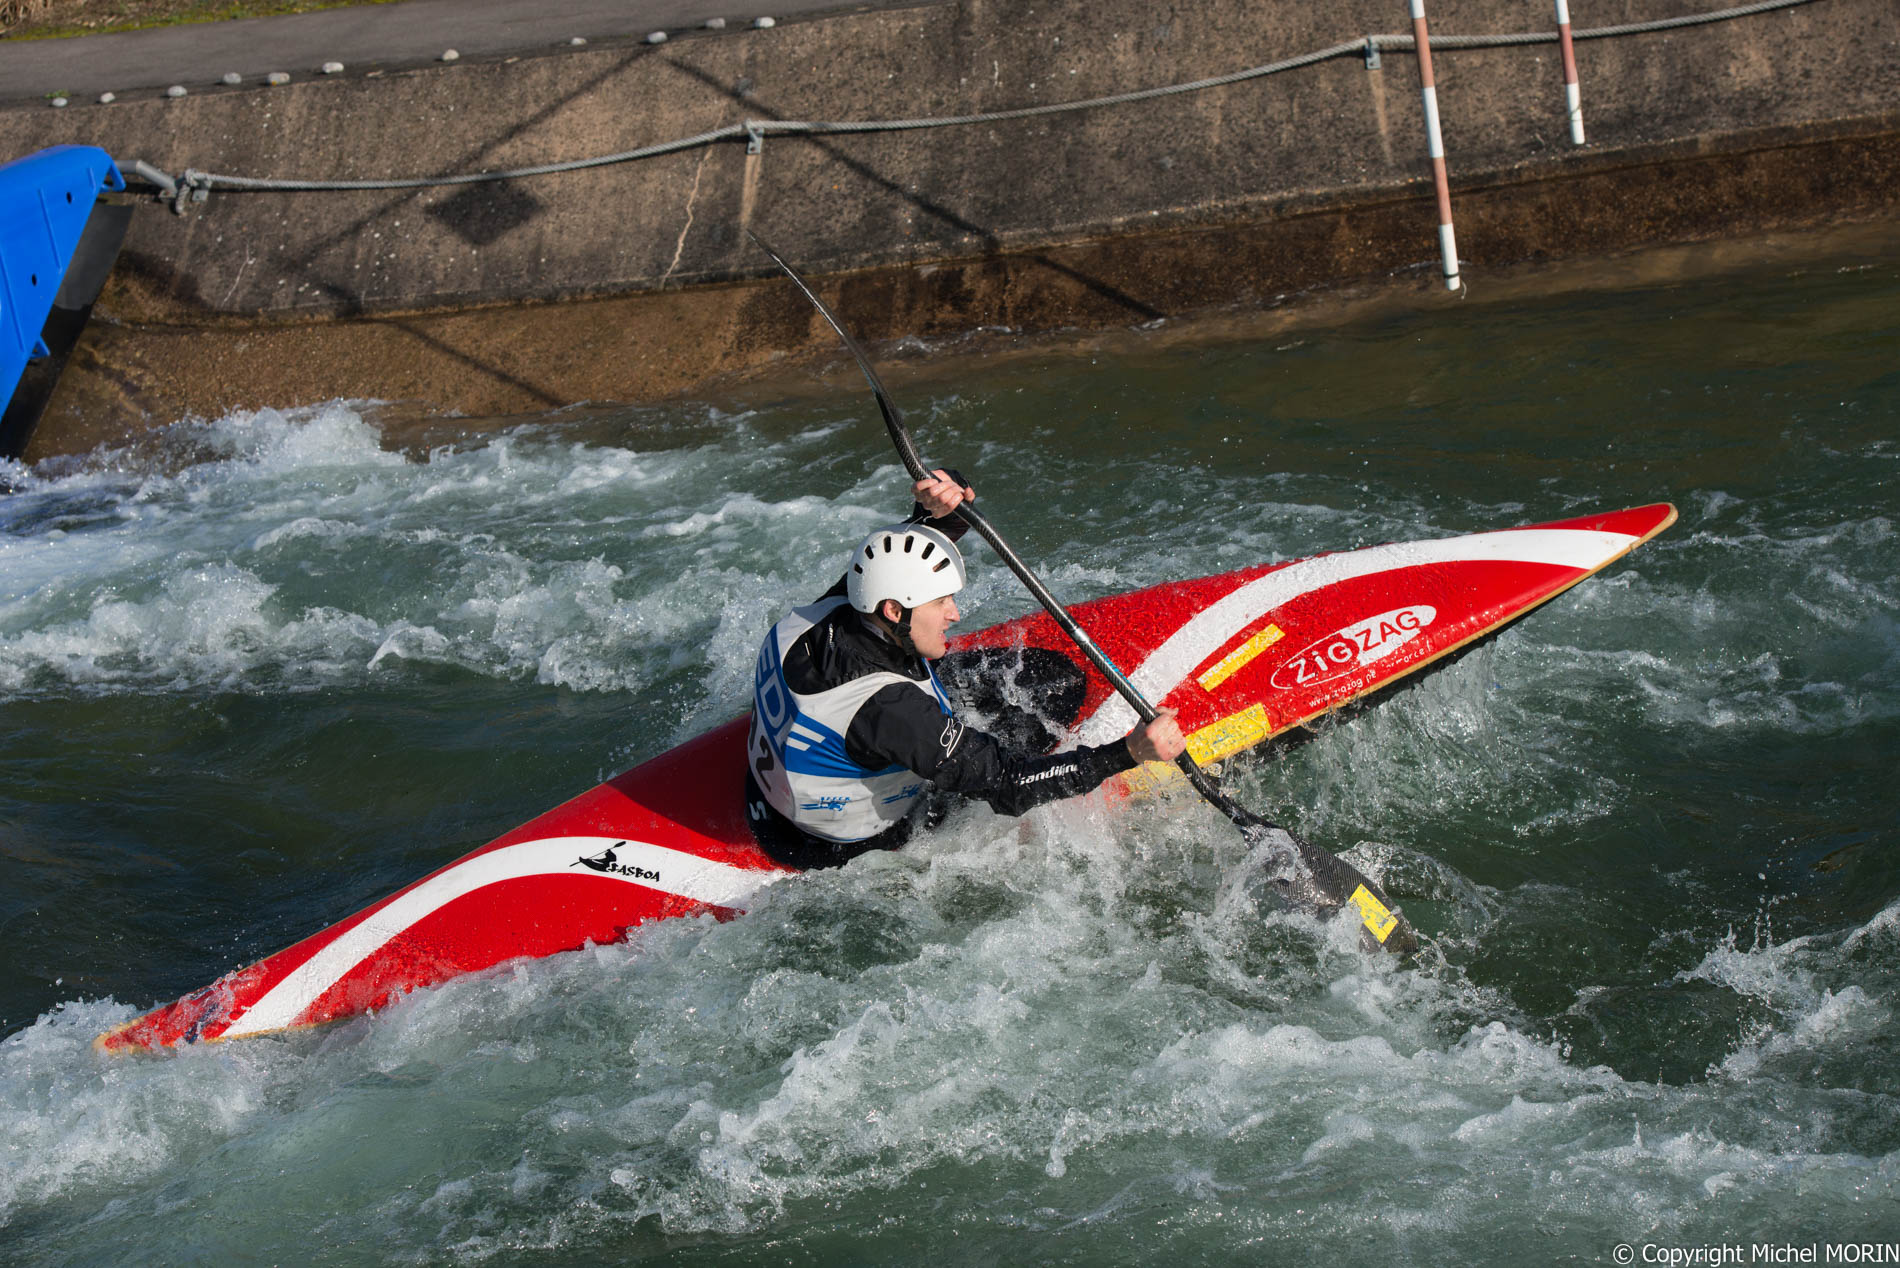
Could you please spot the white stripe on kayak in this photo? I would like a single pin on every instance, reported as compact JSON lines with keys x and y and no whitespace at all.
{"x":686,"y":875}
{"x":1195,"y":641}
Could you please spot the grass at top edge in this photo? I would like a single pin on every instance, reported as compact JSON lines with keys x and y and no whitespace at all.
{"x":187,"y":14}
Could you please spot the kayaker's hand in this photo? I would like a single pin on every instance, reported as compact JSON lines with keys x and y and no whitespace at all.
{"x":940,"y":494}
{"x":1159,"y":741}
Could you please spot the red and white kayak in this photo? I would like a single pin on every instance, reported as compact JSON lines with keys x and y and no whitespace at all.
{"x":1244,"y":657}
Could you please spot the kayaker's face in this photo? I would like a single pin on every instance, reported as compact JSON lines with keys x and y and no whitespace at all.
{"x":930,"y":626}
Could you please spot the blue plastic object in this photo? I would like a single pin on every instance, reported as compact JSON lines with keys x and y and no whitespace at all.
{"x":45,"y":201}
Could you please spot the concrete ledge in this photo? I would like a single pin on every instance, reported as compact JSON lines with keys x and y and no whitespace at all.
{"x":635,"y":281}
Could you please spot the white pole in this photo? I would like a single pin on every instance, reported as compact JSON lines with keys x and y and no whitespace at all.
{"x":1447,"y":246}
{"x":1573,"y":95}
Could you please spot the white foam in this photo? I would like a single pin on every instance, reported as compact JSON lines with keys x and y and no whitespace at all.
{"x":200,"y":570}
{"x":1884,"y":924}
{"x":325,"y":436}
{"x":74,"y":1120}
{"x":1083,"y":1021}
{"x":305,"y":527}
{"x":205,"y":626}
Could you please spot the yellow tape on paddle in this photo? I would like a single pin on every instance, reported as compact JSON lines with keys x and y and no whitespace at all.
{"x":1374,"y":913}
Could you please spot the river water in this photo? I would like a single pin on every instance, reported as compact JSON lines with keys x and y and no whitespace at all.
{"x":258,"y":671}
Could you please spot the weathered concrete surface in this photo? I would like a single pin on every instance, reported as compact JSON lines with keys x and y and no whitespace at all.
{"x":1116,"y":216}
{"x":364,"y":37}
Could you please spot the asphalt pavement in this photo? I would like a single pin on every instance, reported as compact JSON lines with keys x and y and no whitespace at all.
{"x":198,"y":56}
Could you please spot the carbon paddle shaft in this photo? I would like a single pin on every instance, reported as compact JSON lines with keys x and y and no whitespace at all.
{"x":1333,"y":882}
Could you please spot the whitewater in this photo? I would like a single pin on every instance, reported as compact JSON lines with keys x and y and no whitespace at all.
{"x":258,"y":670}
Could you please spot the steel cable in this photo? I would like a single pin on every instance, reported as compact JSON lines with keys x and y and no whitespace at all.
{"x":755,"y":129}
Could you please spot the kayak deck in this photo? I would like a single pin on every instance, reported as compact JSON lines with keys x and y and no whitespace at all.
{"x":1245,"y":657}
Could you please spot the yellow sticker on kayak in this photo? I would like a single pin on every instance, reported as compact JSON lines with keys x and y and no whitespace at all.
{"x":1374,"y":913}
{"x":1231,"y":734}
{"x":1238,"y":659}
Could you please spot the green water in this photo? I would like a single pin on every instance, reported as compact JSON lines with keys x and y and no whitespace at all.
{"x":257,"y":672}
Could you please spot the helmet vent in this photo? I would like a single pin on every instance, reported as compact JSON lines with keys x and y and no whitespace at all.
{"x":887,"y":544}
{"x":928,"y":547}
{"x":858,"y":568}
{"x":909,"y":541}
{"x":941,"y":565}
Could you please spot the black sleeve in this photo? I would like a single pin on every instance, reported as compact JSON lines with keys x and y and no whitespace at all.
{"x":951,"y":526}
{"x":901,"y":726}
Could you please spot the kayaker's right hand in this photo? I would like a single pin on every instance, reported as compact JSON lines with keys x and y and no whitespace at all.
{"x":940,"y":494}
{"x":1159,"y":741}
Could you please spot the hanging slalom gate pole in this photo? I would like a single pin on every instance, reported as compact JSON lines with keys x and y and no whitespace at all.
{"x":1573,"y":95}
{"x":1435,"y":142}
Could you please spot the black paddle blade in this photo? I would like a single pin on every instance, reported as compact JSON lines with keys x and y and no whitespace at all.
{"x":893,"y":417}
{"x":1323,"y":883}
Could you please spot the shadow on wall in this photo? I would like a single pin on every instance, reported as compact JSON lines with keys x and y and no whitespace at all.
{"x":1135,"y":308}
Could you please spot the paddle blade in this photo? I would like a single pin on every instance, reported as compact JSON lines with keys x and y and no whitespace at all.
{"x":1317,"y":881}
{"x":893,"y":417}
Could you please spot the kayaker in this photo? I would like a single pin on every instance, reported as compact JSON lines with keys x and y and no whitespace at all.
{"x":851,"y":727}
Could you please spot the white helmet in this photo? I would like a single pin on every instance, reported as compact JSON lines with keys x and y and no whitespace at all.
{"x":906,"y":562}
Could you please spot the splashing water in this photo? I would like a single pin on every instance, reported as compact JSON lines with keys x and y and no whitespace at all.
{"x":257,"y":672}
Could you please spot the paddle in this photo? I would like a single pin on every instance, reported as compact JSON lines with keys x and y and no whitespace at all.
{"x":1324,"y":883}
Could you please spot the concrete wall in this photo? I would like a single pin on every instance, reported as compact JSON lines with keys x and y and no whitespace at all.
{"x":465,"y":298}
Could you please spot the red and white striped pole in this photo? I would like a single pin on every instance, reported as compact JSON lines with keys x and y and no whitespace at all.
{"x":1573,"y":95}
{"x":1436,"y":142}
